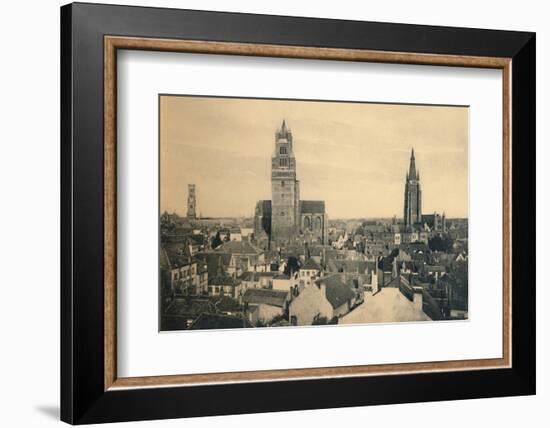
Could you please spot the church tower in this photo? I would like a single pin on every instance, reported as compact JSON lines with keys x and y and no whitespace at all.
{"x":191,"y":202}
{"x":412,"y":210}
{"x":285,"y":189}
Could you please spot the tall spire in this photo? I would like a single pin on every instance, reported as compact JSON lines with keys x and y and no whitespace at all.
{"x":412,"y":167}
{"x":284,"y":133}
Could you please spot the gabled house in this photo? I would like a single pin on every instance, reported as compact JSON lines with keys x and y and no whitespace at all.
{"x":224,"y":285}
{"x":184,"y":273}
{"x":309,"y":272}
{"x":244,"y":256}
{"x":257,"y":279}
{"x":263,"y":305}
{"x":329,"y":298}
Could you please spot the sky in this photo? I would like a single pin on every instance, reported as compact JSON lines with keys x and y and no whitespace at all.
{"x":354,"y":156}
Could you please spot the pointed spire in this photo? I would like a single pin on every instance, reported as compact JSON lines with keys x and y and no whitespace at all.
{"x":284,"y":132}
{"x":412,"y":167}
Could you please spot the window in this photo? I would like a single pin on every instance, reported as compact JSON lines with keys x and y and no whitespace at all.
{"x":282,"y":184}
{"x":283,"y":162}
{"x":318,"y":223}
{"x":282,"y":150}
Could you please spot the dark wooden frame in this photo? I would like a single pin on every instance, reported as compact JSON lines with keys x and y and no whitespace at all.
{"x":90,"y":34}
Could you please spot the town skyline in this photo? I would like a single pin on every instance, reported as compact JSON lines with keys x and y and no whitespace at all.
{"x":293,"y":264}
{"x":237,"y":153}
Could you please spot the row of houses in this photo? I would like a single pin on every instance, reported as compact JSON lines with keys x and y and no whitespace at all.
{"x":238,"y":279}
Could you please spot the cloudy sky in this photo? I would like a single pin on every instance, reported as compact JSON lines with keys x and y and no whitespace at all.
{"x":352,"y":155}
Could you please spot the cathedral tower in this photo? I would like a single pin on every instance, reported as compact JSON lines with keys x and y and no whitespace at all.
{"x":285,"y":189}
{"x":412,"y":209}
{"x":191,"y":202}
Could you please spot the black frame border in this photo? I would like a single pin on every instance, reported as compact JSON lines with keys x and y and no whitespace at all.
{"x":83,"y":399}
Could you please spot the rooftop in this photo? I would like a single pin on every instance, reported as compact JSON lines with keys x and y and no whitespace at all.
{"x":337,"y":291}
{"x":175,"y":255}
{"x":312,"y":207}
{"x":255,"y":276}
{"x":217,"y":263}
{"x":265,"y":296}
{"x":311,"y":264}
{"x":355,"y":266}
{"x":226,"y":280}
{"x":388,"y":305}
{"x":238,"y":247}
{"x":188,"y":307}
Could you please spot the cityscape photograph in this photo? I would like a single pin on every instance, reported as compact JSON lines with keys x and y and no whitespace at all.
{"x":281,"y":213}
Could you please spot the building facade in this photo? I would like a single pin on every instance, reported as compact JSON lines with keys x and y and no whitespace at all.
{"x":412,"y":207}
{"x":285,"y":218}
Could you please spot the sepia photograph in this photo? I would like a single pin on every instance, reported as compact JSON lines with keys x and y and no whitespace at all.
{"x":283,"y":212}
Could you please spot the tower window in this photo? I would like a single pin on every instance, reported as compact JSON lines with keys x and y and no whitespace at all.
{"x":283,"y":162}
{"x":282,"y":150}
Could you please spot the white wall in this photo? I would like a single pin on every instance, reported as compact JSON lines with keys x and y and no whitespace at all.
{"x":29,"y":230}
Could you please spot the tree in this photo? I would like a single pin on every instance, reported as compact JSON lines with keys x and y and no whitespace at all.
{"x":167,"y":224}
{"x":292,"y":266}
{"x":440,"y":243}
{"x":216,"y":241}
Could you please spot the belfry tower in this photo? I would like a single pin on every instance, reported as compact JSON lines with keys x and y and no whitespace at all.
{"x":285,"y":189}
{"x":412,"y":209}
{"x":191,"y":202}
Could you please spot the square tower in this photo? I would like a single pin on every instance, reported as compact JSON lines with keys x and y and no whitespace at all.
{"x":284,"y":189}
{"x":191,"y":202}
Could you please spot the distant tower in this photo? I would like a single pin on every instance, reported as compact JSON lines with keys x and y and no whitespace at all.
{"x":191,"y":202}
{"x":412,"y":209}
{"x":285,"y":188}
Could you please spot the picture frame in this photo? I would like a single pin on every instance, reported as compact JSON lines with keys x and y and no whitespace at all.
{"x":91,"y":35}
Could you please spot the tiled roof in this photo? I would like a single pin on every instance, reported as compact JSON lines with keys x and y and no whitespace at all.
{"x":311,"y":207}
{"x":216,"y":263}
{"x":357,"y":266}
{"x":249,"y":276}
{"x":388,"y":305}
{"x":188,"y":307}
{"x":265,"y":296}
{"x":227,"y":304}
{"x":311,"y":264}
{"x":238,"y":247}
{"x":217,"y":321}
{"x":177,"y":255}
{"x":255,"y":276}
{"x":337,"y":292}
{"x":271,"y":274}
{"x":226,"y":280}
